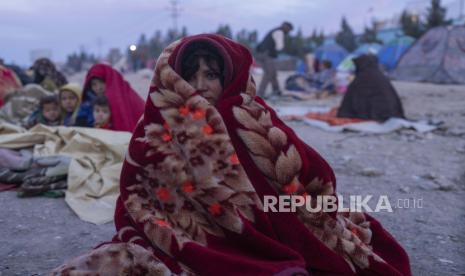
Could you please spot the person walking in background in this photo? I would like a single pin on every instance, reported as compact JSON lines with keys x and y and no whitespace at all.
{"x":267,"y":52}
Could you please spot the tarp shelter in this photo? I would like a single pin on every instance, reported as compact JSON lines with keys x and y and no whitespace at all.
{"x":437,"y":57}
{"x":331,"y":52}
{"x":389,"y":54}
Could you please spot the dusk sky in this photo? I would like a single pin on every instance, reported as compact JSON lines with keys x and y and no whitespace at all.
{"x":63,"y":26}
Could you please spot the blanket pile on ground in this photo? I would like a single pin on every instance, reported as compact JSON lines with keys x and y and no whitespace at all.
{"x":96,"y":159}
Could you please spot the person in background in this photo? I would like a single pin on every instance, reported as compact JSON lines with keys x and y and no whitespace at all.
{"x":9,"y":83}
{"x":47,"y":76}
{"x":371,"y":95}
{"x":267,"y":52}
{"x":323,"y":80}
{"x":101,"y":112}
{"x":48,"y":113}
{"x":70,"y":99}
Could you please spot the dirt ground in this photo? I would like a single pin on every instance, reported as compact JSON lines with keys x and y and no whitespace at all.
{"x":38,"y":234}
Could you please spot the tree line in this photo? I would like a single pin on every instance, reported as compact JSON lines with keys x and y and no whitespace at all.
{"x":297,"y":45}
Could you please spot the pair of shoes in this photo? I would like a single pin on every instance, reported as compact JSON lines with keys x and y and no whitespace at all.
{"x":277,"y":92}
{"x":273,"y":94}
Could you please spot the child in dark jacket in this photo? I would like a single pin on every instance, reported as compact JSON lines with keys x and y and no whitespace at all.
{"x":48,"y":113}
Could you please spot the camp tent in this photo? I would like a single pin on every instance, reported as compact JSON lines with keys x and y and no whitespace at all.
{"x":367,"y":48}
{"x":437,"y":57}
{"x":331,"y":52}
{"x":389,"y":54}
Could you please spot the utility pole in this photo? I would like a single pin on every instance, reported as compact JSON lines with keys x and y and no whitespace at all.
{"x":175,"y":10}
{"x":99,"y":45}
{"x":461,"y":10}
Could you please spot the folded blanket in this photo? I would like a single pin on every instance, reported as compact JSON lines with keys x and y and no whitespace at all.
{"x":328,"y":120}
{"x":15,"y":160}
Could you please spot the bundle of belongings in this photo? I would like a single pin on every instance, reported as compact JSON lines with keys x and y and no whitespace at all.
{"x":84,"y":162}
{"x":33,"y":175}
{"x":22,"y":104}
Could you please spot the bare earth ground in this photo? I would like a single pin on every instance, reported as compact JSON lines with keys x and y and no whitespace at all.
{"x":38,"y":234}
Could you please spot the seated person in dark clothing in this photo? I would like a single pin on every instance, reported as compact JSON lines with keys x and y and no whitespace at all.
{"x":370,"y":95}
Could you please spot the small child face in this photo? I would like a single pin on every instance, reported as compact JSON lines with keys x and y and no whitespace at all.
{"x":101,"y":115}
{"x":98,"y":86}
{"x":51,"y":111}
{"x":68,"y":101}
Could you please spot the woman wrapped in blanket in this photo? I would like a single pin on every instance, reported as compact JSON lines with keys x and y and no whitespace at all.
{"x":199,"y":164}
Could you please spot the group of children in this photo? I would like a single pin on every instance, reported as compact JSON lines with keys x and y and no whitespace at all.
{"x":69,"y":109}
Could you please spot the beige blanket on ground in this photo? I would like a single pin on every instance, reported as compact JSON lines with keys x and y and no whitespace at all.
{"x":94,"y":172}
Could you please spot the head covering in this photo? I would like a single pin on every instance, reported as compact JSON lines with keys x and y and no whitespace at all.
{"x":46,"y":74}
{"x":287,"y":24}
{"x":20,"y":73}
{"x":195,"y":175}
{"x":370,"y":95}
{"x":126,"y":105}
{"x":9,"y":83}
{"x":77,"y":91}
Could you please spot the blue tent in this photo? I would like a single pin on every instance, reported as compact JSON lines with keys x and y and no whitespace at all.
{"x":331,"y":52}
{"x":367,"y":48}
{"x":390,"y":54}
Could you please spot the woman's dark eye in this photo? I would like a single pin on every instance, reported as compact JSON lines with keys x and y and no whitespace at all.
{"x":212,"y":75}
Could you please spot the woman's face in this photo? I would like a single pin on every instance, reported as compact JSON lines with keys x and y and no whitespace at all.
{"x":98,"y":86}
{"x":68,"y":101}
{"x":207,"y":81}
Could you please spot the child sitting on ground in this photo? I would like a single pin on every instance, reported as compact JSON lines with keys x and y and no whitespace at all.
{"x":101,"y":112}
{"x":324,"y":80}
{"x":70,"y":99}
{"x":48,"y":113}
{"x":95,"y":88}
